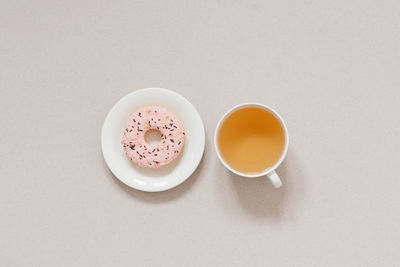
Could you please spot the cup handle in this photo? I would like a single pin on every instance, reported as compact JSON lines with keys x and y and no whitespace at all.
{"x":274,"y":178}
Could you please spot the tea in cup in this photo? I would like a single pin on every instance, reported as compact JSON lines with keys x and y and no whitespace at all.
{"x":252,"y":140}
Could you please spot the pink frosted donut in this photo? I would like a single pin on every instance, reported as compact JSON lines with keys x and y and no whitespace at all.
{"x":153,"y":118}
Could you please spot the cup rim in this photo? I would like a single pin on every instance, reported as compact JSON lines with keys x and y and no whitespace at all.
{"x":251,"y":104}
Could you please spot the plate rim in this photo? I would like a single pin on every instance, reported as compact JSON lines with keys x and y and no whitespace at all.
{"x":170,"y":185}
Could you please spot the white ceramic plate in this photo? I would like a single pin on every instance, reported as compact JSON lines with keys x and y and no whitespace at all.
{"x":164,"y":178}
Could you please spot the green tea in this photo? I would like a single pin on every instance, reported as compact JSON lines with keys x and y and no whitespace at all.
{"x":251,"y":140}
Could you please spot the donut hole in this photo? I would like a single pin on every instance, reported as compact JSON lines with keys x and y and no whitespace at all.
{"x":152,"y":137}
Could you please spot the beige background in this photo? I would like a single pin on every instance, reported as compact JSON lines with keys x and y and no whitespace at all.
{"x":331,"y":68}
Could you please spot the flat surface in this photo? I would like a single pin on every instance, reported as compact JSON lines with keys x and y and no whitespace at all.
{"x":330,"y":68}
{"x":165,"y":177}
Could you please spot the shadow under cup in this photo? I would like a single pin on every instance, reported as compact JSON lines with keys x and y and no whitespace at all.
{"x":251,"y":140}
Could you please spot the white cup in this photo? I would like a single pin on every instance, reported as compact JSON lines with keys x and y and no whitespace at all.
{"x":270,"y":172}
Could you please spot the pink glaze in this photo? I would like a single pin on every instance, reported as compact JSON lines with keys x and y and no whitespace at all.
{"x":153,"y":118}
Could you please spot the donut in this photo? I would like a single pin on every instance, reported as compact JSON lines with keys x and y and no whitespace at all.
{"x":153,"y":155}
